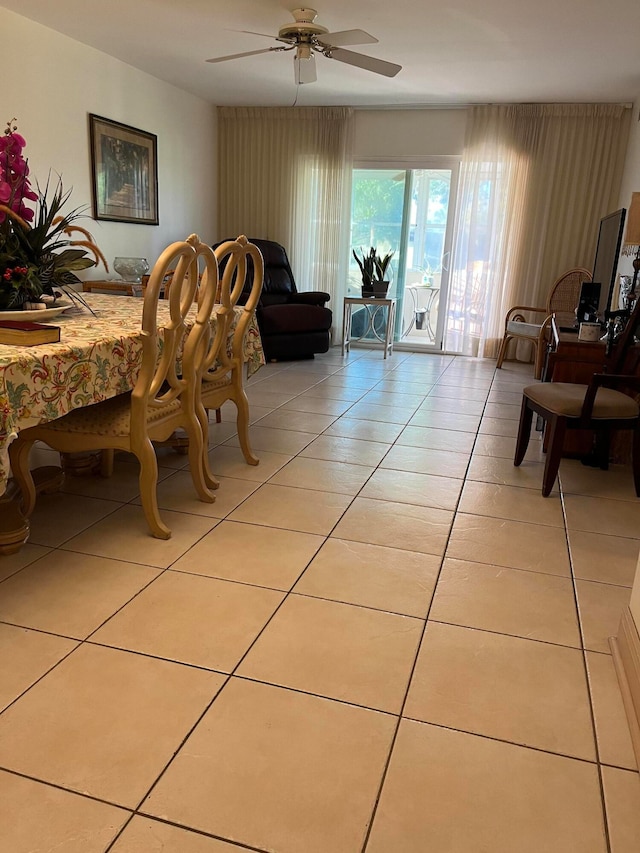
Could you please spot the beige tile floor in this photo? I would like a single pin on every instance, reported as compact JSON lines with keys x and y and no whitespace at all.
{"x":382,"y":639}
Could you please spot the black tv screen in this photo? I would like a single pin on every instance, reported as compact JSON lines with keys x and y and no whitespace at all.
{"x":605,"y":265}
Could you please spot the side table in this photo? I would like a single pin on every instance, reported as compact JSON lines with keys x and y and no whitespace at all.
{"x":130,"y":288}
{"x":372,"y":307}
{"x":421,"y":318}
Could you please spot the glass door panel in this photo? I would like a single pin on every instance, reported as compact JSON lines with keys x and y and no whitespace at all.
{"x":426,"y":273}
{"x":377,"y":212}
{"x":406,"y":212}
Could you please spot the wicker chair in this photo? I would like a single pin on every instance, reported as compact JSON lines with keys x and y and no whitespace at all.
{"x":520,"y":323}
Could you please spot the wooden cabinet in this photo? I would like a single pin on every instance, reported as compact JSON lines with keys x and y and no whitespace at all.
{"x":572,"y":360}
{"x":129,"y":288}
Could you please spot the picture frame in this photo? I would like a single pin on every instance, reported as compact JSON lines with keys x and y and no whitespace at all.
{"x":124,"y":172}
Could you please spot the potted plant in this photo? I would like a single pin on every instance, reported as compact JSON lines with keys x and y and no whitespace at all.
{"x":36,"y":256}
{"x":373,"y":269}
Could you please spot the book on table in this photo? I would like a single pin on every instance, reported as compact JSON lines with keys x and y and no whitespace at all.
{"x":27,"y":334}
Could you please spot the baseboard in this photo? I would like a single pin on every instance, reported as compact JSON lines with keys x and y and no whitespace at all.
{"x":626,"y":657}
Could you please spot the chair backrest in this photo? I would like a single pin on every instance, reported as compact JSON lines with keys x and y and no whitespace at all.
{"x":242,"y":276}
{"x":171,"y":368}
{"x":565,"y":293}
{"x":278,"y":276}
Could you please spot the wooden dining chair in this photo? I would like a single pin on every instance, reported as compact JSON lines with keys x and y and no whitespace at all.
{"x":241,"y":267}
{"x":165,"y":396}
{"x":600,"y":405}
{"x":178,"y":444}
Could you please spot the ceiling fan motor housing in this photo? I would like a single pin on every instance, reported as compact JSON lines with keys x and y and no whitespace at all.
{"x":304,"y":16}
{"x":304,"y":30}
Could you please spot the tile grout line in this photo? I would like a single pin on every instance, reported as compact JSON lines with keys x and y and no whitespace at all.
{"x":592,"y":714}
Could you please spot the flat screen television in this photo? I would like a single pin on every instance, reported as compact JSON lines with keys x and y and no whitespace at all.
{"x":605,"y":265}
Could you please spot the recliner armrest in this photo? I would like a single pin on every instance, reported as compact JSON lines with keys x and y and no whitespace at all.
{"x":310,"y":297}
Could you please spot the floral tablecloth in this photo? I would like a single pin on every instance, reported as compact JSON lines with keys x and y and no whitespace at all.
{"x":96,"y":358}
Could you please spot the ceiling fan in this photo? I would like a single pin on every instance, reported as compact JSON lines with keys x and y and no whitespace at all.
{"x":308,"y":38}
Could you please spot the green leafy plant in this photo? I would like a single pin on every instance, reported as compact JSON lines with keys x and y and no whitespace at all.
{"x":372,"y":267}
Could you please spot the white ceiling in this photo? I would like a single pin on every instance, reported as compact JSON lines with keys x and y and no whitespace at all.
{"x":466,"y":52}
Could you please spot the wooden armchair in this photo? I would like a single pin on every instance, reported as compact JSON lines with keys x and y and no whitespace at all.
{"x":524,"y":323}
{"x":600,"y":406}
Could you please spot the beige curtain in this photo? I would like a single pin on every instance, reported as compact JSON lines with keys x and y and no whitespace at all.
{"x":285,"y":175}
{"x":535,"y":181}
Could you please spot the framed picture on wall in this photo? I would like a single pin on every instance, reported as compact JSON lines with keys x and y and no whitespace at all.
{"x":124,"y":172}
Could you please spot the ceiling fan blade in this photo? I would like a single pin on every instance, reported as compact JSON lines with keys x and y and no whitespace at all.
{"x":347,"y":37}
{"x":369,"y":63}
{"x":248,"y":53}
{"x":254,"y":33}
{"x":305,"y":70}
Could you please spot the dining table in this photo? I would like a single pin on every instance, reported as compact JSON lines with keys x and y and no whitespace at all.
{"x":98,"y":356}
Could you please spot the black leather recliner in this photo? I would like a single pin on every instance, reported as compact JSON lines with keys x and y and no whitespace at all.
{"x":292,"y":324}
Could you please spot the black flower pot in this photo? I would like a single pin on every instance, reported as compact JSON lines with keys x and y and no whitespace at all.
{"x":380,"y":289}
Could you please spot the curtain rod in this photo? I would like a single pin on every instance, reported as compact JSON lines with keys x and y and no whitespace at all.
{"x":625,"y":104}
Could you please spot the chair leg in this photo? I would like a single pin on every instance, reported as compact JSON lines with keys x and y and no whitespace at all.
{"x":148,"y":490}
{"x":502,"y":352}
{"x":193,"y":428}
{"x":106,"y":462}
{"x":636,"y":458}
{"x":557,"y":429}
{"x":242,"y":405}
{"x":540,"y":352}
{"x":203,"y":417}
{"x":218,"y":416}
{"x":524,"y":432}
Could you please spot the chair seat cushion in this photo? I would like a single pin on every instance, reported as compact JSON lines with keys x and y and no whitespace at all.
{"x":301,"y":319}
{"x":111,"y":417}
{"x":565,"y":398}
{"x":525,"y":330}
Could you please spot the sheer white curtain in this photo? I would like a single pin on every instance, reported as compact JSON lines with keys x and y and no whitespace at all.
{"x":534,"y":181}
{"x":285,"y":175}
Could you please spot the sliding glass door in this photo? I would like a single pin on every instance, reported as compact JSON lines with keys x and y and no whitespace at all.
{"x":408,"y":212}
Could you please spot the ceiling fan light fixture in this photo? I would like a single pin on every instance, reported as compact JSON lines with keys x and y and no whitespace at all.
{"x":304,"y":51}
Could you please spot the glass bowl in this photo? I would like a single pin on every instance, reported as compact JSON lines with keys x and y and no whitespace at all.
{"x":131,"y":269}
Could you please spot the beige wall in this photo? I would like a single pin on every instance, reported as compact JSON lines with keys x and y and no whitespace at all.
{"x":51,"y":83}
